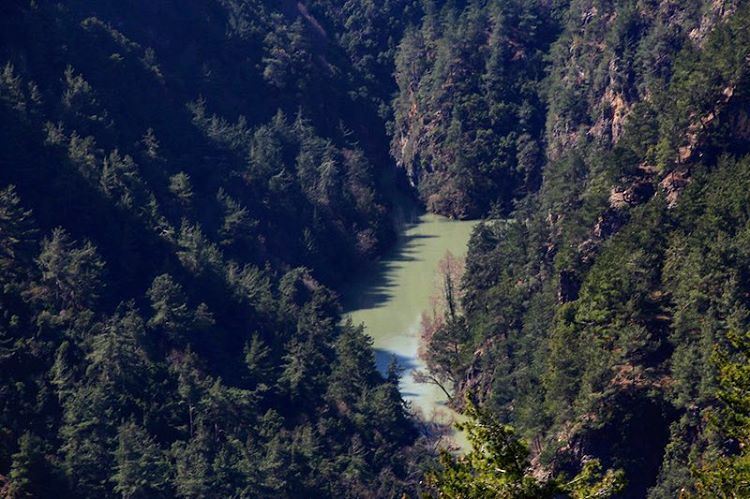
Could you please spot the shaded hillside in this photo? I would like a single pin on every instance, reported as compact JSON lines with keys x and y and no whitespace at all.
{"x":184,"y":184}
{"x":176,"y":181}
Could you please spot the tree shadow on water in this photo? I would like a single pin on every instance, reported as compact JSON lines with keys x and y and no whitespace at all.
{"x":377,"y":283}
{"x":383,"y":359}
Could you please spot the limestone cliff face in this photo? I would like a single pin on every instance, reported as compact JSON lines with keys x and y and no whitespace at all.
{"x":609,"y":65}
{"x":636,"y":107}
{"x":613,"y":59}
{"x":613,"y":55}
{"x":469,"y":115}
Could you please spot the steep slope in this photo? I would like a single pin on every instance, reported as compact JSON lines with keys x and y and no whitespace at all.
{"x":176,"y":181}
{"x":182,"y":185}
{"x":593,"y":313}
{"x":469,"y":116}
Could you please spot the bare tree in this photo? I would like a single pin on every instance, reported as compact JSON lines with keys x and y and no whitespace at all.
{"x":443,"y":329}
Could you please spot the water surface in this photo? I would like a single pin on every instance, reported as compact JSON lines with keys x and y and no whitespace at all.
{"x":390,"y":298}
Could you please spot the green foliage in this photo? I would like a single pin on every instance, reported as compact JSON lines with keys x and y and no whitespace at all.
{"x":498,"y":466}
{"x":17,"y":229}
{"x":592,"y":482}
{"x":495,"y":467}
{"x":704,"y":82}
{"x":593,"y":313}
{"x":469,"y":116}
{"x":229,"y":176}
{"x":729,"y":475}
{"x":148,"y":339}
{"x":71,"y":276}
{"x":179,"y":186}
{"x":722,"y":229}
{"x":142,"y":469}
{"x":31,"y":474}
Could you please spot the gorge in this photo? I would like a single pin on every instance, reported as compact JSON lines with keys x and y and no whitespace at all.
{"x":207,"y":265}
{"x":390,"y":298}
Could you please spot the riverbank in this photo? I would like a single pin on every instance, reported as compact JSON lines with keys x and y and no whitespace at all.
{"x":390,"y":297}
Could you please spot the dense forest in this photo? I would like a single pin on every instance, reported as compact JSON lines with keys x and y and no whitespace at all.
{"x":606,"y":318}
{"x":187,"y":187}
{"x":182,"y":184}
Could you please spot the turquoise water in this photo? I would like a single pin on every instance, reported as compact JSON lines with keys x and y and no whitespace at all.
{"x":390,"y":297}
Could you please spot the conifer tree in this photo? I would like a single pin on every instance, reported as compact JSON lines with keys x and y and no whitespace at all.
{"x":142,"y":469}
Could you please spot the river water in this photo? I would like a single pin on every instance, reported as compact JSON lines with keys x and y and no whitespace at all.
{"x":389,"y":299}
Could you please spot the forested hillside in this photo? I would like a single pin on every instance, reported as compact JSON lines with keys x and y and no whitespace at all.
{"x":185,"y":188}
{"x":607,"y":317}
{"x":179,"y":181}
{"x":469,"y":116}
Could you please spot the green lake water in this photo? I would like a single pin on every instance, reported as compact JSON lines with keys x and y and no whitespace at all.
{"x":389,"y":299}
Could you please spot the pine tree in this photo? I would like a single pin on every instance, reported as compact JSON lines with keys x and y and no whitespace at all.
{"x":16,"y":235}
{"x":142,"y":469}
{"x":31,"y":474}
{"x":197,"y":254}
{"x":192,"y":467}
{"x":170,"y":312}
{"x":238,"y":227}
{"x":258,"y":361}
{"x":71,"y":275}
{"x":88,"y":435}
{"x":181,"y":187}
{"x":116,"y":360}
